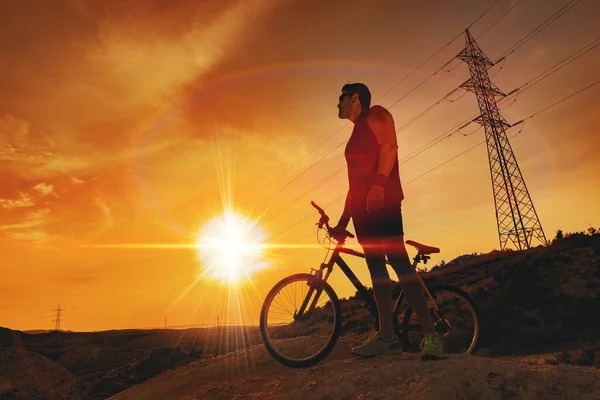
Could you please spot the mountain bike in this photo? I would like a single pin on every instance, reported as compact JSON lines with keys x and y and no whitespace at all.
{"x":301,"y":317}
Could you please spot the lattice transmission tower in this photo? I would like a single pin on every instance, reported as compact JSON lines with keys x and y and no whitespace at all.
{"x":57,"y":320}
{"x":517,"y":219}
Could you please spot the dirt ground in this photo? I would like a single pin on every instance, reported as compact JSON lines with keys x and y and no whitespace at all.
{"x":539,"y":340}
{"x":253,"y":374}
{"x":29,"y":375}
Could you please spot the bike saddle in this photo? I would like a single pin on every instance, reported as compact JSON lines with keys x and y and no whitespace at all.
{"x":423,"y":249}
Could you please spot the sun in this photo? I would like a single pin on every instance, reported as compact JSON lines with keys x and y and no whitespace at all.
{"x":231,"y":247}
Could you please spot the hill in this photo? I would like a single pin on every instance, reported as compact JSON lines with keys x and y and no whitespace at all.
{"x":539,"y":339}
{"x":100,"y":364}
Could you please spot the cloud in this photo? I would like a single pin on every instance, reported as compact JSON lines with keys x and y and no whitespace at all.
{"x":108,"y":221}
{"x":209,"y":44}
{"x":18,"y":144}
{"x":85,"y":86}
{"x":24,"y":200}
{"x":32,"y":219}
{"x":31,"y":229}
{"x":28,"y":199}
{"x":108,"y":68}
{"x":31,"y":152}
{"x":44,"y":189}
{"x":35,"y":235}
{"x":103,"y":204}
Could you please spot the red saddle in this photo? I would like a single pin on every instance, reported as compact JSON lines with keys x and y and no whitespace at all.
{"x":423,"y":249}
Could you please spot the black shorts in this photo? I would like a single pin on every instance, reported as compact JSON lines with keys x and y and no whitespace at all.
{"x":383,"y":223}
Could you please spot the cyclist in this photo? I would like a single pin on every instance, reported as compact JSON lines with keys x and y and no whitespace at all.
{"x":374,"y":204}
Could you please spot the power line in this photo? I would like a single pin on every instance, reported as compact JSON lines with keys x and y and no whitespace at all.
{"x":502,"y":58}
{"x":573,"y":56}
{"x":431,"y":107}
{"x":517,"y":123}
{"x":540,"y":27}
{"x":344,"y":141}
{"x":378,"y":98}
{"x":303,"y":219}
{"x":294,"y":164}
{"x":345,"y":125}
{"x":514,"y":47}
{"x":440,"y":50}
{"x":443,"y":163}
{"x":499,"y":69}
{"x":451,"y":159}
{"x":524,"y":87}
{"x":453,"y":58}
{"x":560,"y":101}
{"x":498,"y":20}
{"x":419,"y":151}
{"x":296,"y":199}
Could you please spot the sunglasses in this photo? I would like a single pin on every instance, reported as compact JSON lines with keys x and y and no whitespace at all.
{"x":344,"y":95}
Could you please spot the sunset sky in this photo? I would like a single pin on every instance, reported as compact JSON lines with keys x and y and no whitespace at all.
{"x":129,"y":122}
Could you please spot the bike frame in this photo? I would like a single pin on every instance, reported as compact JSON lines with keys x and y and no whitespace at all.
{"x":337,"y":259}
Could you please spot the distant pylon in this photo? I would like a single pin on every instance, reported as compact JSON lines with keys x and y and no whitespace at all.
{"x":57,"y":320}
{"x":517,"y":219}
{"x":165,"y":322}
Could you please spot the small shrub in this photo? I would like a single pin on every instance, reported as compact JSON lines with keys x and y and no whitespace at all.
{"x":559,"y":236}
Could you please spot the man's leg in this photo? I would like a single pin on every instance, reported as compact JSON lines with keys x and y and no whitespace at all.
{"x":383,"y":288}
{"x":385,"y":341}
{"x":409,"y":282}
{"x":432,"y":347}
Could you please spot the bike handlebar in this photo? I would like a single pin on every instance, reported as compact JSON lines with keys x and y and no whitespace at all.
{"x":324,"y":220}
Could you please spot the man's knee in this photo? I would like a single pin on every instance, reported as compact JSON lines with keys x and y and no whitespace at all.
{"x":398,"y":257}
{"x":377,"y":268}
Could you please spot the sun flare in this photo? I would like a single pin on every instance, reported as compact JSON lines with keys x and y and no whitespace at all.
{"x":231,"y":247}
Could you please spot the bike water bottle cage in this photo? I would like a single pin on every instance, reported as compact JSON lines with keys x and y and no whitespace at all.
{"x":318,"y":272}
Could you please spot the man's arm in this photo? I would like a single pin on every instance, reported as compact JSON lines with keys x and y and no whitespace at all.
{"x":381,"y":123}
{"x":347,"y":214}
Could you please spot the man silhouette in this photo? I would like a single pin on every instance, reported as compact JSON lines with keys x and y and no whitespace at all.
{"x":374,"y":204}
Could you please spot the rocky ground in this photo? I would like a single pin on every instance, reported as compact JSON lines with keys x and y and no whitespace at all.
{"x":253,"y":374}
{"x":539,"y":340}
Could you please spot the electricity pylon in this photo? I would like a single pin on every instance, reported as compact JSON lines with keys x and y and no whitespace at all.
{"x":517,"y":219}
{"x":57,"y":322}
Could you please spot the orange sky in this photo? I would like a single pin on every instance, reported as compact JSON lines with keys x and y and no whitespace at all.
{"x":130,"y":123}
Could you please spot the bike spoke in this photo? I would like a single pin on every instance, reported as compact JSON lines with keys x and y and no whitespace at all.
{"x":455,"y":321}
{"x":298,"y":337}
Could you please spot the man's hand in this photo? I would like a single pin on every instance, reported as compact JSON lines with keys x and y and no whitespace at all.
{"x":375,"y":198}
{"x":338,"y":229}
{"x":338,"y":232}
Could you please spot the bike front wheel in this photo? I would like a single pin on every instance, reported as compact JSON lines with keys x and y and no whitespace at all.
{"x":300,"y":320}
{"x":456,"y":320}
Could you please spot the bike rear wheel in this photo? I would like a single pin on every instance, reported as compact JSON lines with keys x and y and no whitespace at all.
{"x":457,"y":321}
{"x":300,"y":320}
